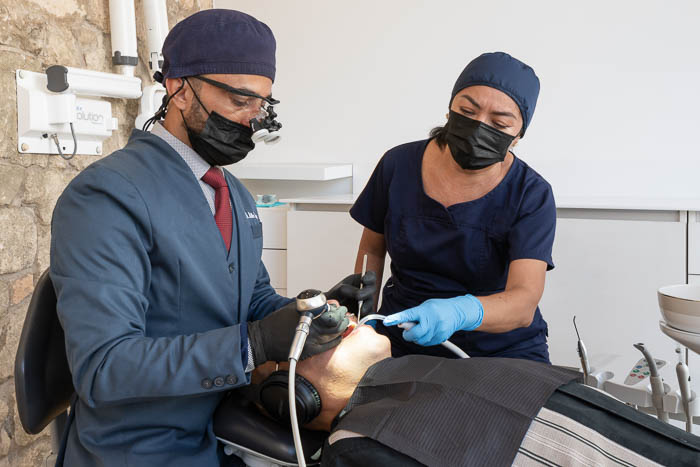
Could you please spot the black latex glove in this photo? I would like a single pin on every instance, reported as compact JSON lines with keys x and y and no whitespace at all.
{"x":271,"y":337}
{"x":348,"y":292}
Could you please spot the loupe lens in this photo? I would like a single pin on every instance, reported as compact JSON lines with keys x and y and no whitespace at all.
{"x":272,"y":138}
{"x":260,"y":136}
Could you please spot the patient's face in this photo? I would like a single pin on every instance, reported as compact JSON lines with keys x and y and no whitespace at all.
{"x":336,"y":372}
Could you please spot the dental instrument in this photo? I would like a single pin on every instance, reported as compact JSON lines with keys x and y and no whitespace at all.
{"x":657,"y":383}
{"x":447,"y":344}
{"x":684,"y":386}
{"x":364,"y":270}
{"x":310,"y":304}
{"x":583,"y":355}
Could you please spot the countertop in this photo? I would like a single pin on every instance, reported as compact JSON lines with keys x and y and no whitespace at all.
{"x":564,"y":202}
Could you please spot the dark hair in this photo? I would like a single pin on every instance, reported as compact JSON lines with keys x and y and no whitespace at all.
{"x":440,"y":135}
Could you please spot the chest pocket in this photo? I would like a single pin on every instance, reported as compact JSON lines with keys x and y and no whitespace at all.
{"x":442,"y":247}
{"x":255,"y":227}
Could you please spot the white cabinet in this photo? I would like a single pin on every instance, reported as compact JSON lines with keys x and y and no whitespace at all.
{"x":274,"y":254}
{"x":276,"y":263}
{"x":607,"y":274}
{"x":609,"y":265}
{"x":322,"y":247}
{"x":274,"y":221}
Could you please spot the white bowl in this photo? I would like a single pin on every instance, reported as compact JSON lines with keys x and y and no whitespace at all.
{"x":680,"y":306}
{"x":688,"y":339}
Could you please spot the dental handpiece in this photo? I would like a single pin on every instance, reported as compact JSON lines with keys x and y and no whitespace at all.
{"x":361,"y":303}
{"x":684,"y":385}
{"x":310,"y":304}
{"x":582,"y":355}
{"x":408,"y":325}
{"x":657,"y":383}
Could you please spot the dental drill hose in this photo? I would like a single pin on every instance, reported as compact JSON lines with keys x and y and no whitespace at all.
{"x":310,"y":304}
{"x":447,"y":344}
{"x":657,"y":383}
{"x":684,"y":385}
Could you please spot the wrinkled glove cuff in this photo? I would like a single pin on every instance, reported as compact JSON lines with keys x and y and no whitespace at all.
{"x":255,"y":343}
{"x":473,"y":315}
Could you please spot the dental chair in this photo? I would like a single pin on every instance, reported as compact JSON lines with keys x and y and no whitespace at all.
{"x":43,"y":385}
{"x":260,"y":441}
{"x":44,"y":388}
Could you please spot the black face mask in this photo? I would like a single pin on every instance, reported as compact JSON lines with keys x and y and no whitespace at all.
{"x":222,"y":141}
{"x":475,"y":145}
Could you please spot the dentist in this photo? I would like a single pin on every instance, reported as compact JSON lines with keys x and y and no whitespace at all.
{"x":156,"y":262}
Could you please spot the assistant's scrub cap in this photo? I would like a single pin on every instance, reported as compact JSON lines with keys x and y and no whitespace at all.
{"x":507,"y":74}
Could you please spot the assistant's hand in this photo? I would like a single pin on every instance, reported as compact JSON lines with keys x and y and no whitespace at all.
{"x":271,"y":337}
{"x":348,"y":292}
{"x":439,"y":318}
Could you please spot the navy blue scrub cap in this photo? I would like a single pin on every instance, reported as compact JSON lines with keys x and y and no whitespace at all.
{"x":507,"y":74}
{"x":219,"y":41}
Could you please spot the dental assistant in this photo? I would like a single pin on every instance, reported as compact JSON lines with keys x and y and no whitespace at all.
{"x":468,"y":225}
{"x":156,"y":261}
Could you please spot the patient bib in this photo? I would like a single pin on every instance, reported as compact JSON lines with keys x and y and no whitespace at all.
{"x":468,"y":412}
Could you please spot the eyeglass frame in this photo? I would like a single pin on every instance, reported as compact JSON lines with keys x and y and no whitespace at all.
{"x":231,"y":89}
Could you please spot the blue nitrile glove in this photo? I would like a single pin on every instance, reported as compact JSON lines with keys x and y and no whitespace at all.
{"x":439,"y":318}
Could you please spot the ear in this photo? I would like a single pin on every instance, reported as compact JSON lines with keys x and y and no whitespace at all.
{"x":514,"y":143}
{"x":179,"y":99}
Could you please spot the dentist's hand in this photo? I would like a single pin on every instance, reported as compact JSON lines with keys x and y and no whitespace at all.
{"x":349,"y":293}
{"x":439,"y":318}
{"x":271,"y":337}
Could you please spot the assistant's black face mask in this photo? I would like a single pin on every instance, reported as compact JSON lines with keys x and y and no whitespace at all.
{"x":222,"y":141}
{"x":475,"y":145}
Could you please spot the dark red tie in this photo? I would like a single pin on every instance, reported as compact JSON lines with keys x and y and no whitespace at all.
{"x":223,"y":217}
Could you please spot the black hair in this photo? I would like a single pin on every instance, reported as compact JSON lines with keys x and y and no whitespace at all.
{"x":439,"y":133}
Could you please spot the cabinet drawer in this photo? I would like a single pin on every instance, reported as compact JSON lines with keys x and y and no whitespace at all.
{"x":694,"y":243}
{"x":276,"y":264}
{"x":693,"y":279}
{"x":274,"y":222}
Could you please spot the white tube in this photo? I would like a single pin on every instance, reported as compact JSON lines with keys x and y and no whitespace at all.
{"x":92,"y":83}
{"x":408,"y":325}
{"x":122,"y":22}
{"x":156,"y":18}
{"x":293,"y":413}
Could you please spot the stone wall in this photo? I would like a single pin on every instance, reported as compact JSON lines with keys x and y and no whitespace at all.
{"x":35,"y":34}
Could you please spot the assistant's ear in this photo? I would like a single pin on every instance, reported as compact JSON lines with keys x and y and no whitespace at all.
{"x":514,"y":143}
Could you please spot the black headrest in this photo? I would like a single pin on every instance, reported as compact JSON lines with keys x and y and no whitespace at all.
{"x":239,"y":421}
{"x":43,"y":384}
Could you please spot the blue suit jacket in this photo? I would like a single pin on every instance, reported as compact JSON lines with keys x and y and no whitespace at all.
{"x":151,"y":304}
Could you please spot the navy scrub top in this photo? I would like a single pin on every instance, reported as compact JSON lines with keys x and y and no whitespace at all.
{"x":439,"y":252}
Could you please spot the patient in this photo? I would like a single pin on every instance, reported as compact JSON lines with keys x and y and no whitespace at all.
{"x":418,"y":410}
{"x":336,"y":373}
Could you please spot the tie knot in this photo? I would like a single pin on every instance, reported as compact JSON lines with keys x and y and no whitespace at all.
{"x":214,"y":178}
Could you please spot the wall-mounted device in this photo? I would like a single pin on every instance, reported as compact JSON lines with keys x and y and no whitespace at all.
{"x":60,"y":112}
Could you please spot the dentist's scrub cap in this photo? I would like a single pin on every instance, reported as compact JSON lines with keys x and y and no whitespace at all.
{"x":507,"y":74}
{"x":219,"y":41}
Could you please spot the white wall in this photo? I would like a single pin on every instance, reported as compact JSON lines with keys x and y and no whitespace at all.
{"x":618,"y":113}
